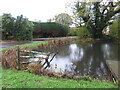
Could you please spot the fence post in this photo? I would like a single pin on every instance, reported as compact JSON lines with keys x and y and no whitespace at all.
{"x":46,"y":60}
{"x":18,"y":52}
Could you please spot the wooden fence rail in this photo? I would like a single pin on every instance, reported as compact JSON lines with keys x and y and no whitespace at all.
{"x":33,"y":57}
{"x":34,"y":52}
{"x":27,"y":51}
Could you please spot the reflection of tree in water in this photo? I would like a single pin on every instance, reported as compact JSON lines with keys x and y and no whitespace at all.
{"x":86,"y":59}
{"x":110,"y":50}
{"x":93,"y":61}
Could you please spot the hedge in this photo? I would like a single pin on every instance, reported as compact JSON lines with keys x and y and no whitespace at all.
{"x":49,"y":29}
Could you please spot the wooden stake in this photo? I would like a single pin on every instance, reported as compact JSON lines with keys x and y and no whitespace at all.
{"x":48,"y":63}
{"x":18,"y":52}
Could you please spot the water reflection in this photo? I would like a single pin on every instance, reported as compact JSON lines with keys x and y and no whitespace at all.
{"x":76,"y":53}
{"x":108,"y":51}
{"x":85,"y":59}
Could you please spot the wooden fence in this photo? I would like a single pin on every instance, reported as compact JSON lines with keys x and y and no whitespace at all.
{"x":34,"y":52}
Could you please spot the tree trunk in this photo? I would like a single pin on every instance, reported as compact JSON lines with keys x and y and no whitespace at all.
{"x":98,"y":34}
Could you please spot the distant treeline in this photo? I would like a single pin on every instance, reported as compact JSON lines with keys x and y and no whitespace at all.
{"x":49,"y":29}
{"x":21,"y":29}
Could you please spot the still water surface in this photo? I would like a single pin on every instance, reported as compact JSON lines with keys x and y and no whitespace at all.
{"x":85,"y":59}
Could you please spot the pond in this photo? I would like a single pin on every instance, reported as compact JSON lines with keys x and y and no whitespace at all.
{"x":84,"y":58}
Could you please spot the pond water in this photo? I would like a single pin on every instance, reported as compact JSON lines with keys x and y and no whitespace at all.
{"x":84,"y":59}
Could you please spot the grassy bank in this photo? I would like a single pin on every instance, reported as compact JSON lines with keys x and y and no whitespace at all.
{"x":20,"y":79}
{"x":26,"y":45}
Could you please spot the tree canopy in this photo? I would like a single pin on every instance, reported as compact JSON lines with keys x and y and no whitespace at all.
{"x":7,"y":25}
{"x":23,"y":29}
{"x":63,"y":18}
{"x":96,"y":15}
{"x":0,"y":23}
{"x":20,"y":28}
{"x":115,"y":29}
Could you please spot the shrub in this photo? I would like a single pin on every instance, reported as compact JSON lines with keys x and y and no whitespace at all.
{"x":23,"y":29}
{"x":7,"y":25}
{"x":114,"y":29}
{"x":49,"y":29}
{"x":82,"y":32}
{"x":72,"y":32}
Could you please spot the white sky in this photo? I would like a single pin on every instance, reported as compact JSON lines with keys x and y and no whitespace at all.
{"x":34,"y":9}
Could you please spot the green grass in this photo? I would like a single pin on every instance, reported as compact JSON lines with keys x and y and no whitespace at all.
{"x":20,"y":79}
{"x":26,"y":45}
{"x":0,"y":77}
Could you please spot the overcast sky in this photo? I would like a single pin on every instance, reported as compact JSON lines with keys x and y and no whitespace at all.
{"x":34,"y":9}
